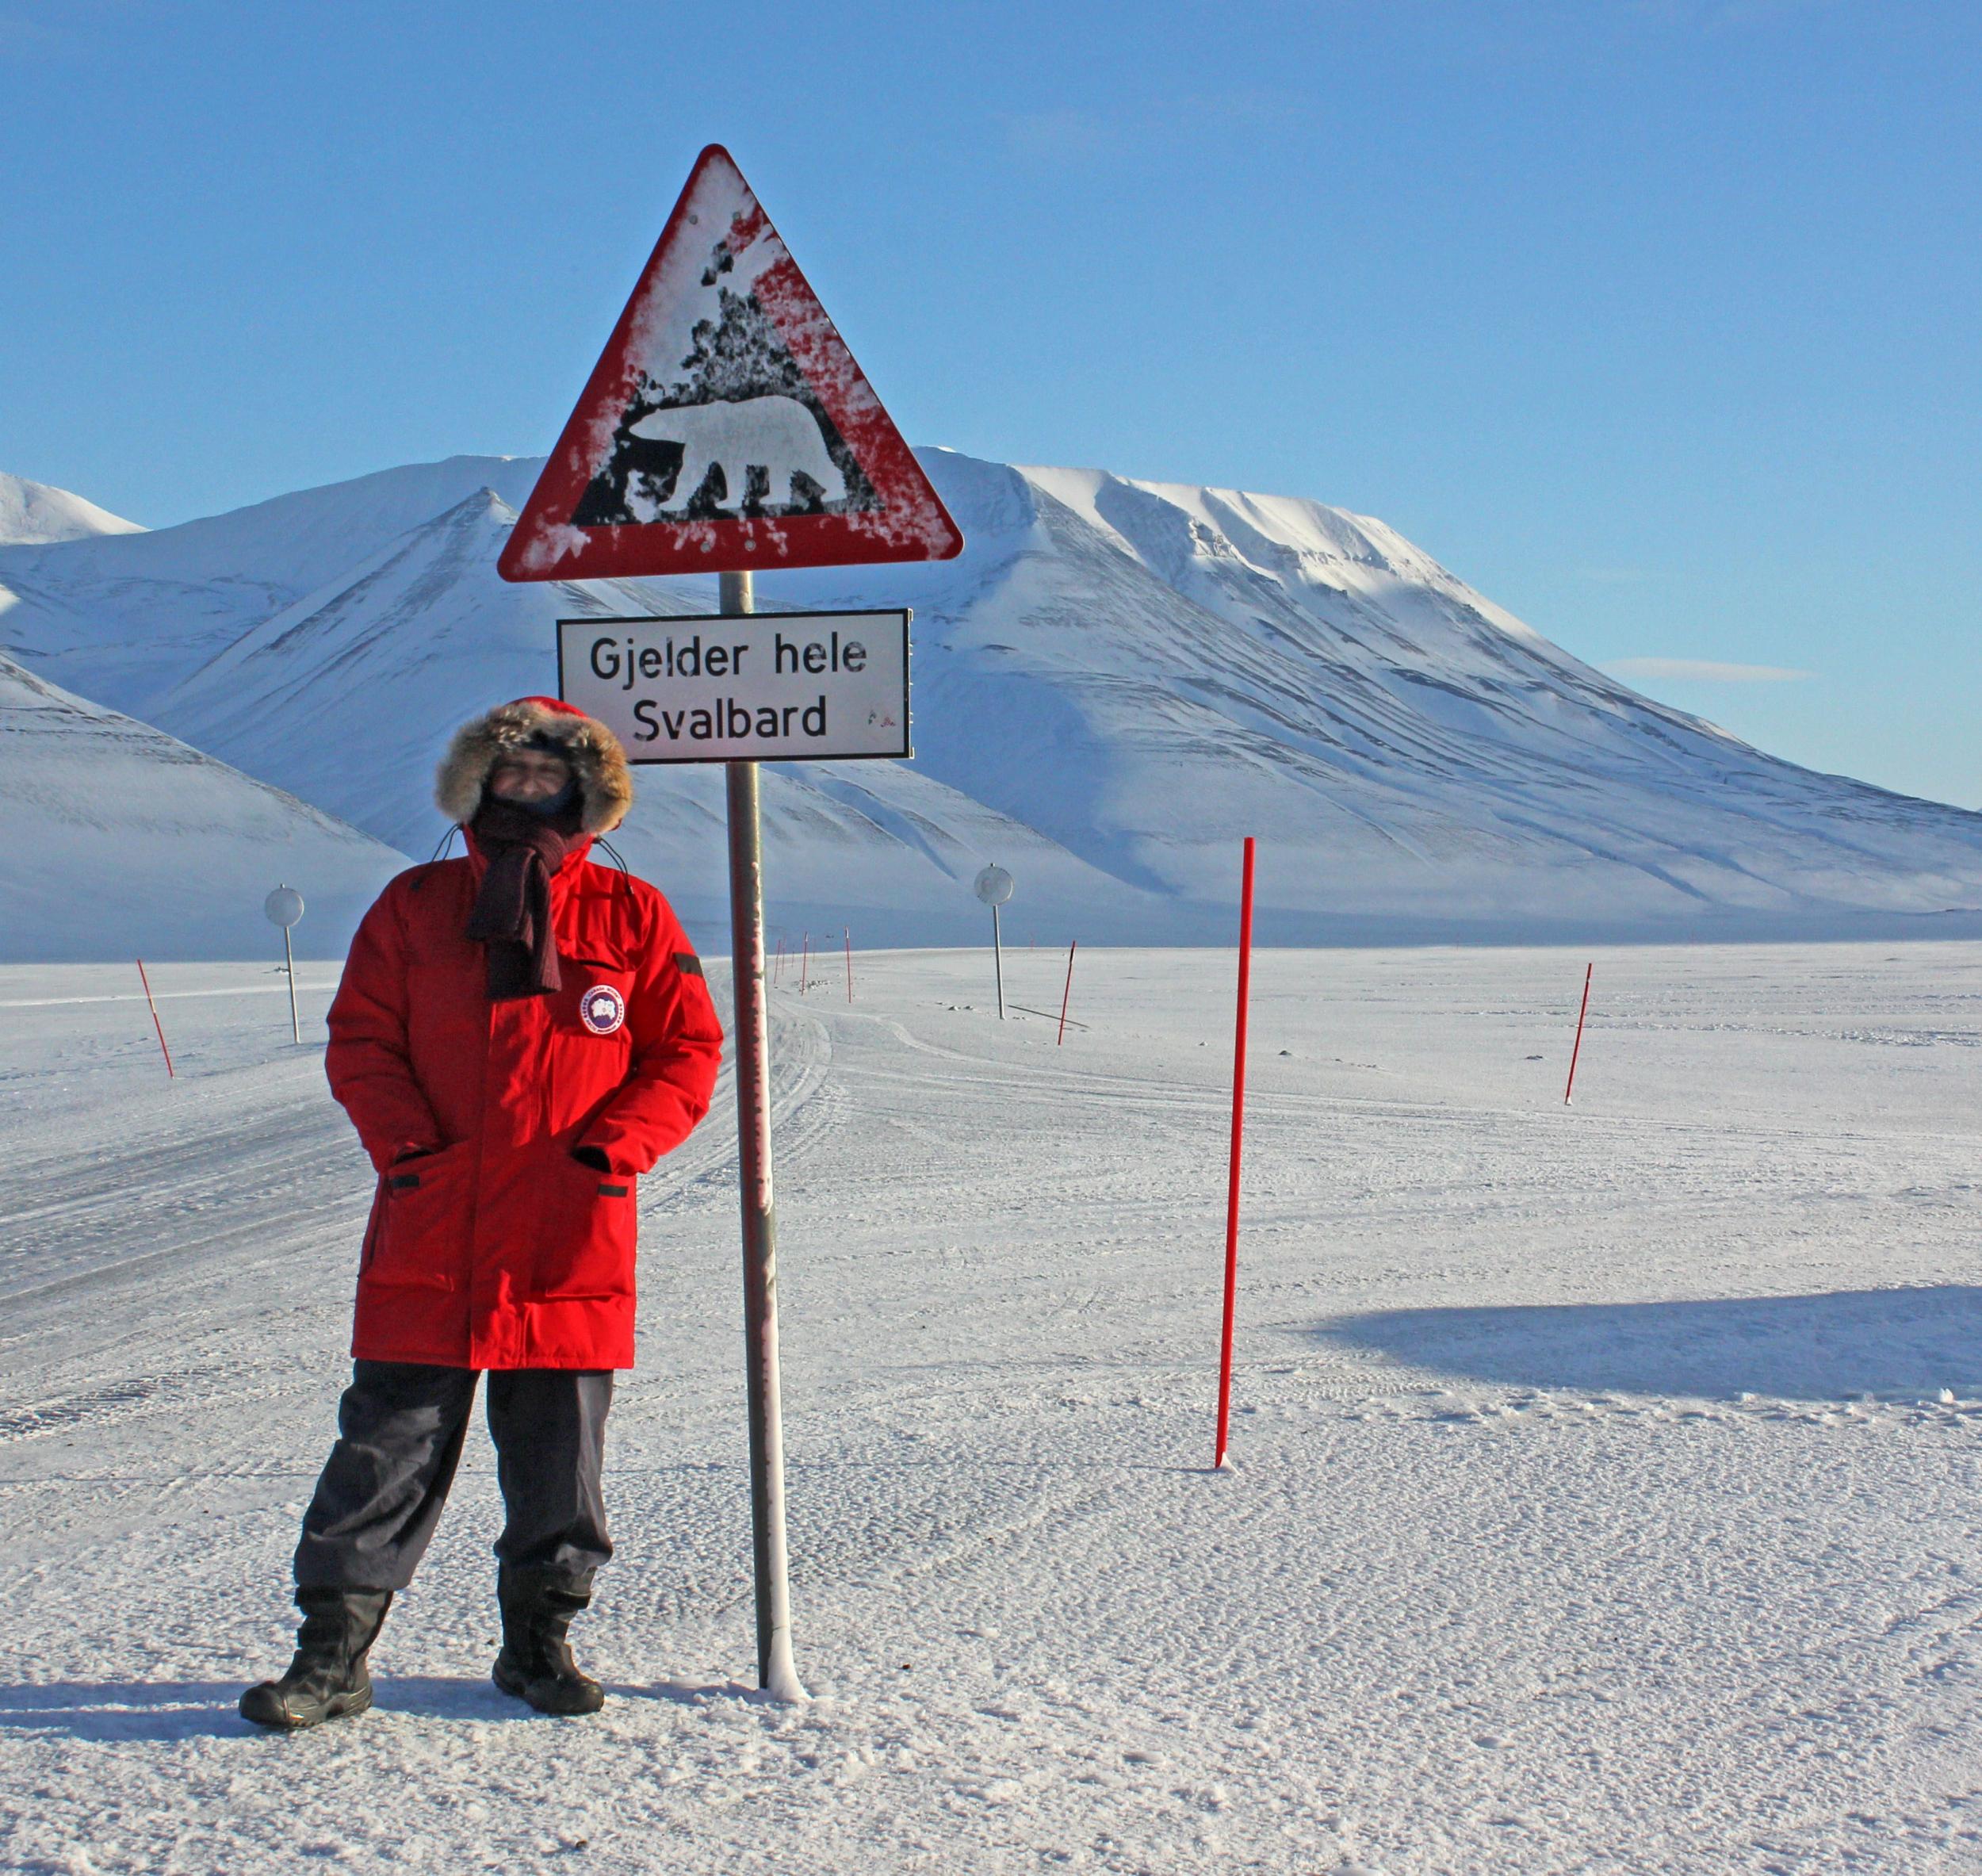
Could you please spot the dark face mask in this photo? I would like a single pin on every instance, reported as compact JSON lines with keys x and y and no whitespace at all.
{"x":563,"y":802}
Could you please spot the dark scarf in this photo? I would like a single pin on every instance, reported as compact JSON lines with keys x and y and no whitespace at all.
{"x":511,"y":916}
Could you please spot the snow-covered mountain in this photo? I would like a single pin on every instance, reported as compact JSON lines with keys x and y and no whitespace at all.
{"x":121,"y":842}
{"x":1116,"y":681}
{"x":33,"y":514}
{"x":423,"y":631}
{"x":122,"y":619}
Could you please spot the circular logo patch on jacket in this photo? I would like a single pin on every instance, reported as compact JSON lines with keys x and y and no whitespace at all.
{"x":602,"y":1009}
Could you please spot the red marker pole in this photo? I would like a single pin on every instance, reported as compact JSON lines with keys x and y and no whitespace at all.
{"x":804,"y":964}
{"x":1238,"y":1130}
{"x":1068,"y":992}
{"x":156,"y":1023}
{"x":849,"y":935}
{"x":1588,"y":970}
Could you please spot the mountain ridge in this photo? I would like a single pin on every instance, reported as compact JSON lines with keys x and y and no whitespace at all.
{"x":1116,"y":681}
{"x":36,"y":514}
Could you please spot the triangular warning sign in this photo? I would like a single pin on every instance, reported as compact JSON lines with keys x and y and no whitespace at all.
{"x":727,"y":426}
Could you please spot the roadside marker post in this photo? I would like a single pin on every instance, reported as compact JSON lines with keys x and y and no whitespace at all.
{"x":284,"y":907}
{"x":170,"y":1074}
{"x":804,"y":964}
{"x":1232,"y":1185}
{"x":1068,"y":992}
{"x":994,"y":887}
{"x":1569,"y":1086}
{"x":726,"y":428}
{"x":846,"y":931}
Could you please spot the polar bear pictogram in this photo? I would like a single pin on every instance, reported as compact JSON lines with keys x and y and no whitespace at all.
{"x":776,"y":434}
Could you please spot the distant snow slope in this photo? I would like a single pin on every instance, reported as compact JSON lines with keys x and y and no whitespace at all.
{"x":121,"y":842}
{"x":31,"y":514}
{"x":1115,"y":681}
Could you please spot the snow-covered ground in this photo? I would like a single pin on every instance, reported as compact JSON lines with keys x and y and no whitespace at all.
{"x":1608,"y":1494}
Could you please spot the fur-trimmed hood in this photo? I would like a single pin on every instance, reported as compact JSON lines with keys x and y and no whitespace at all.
{"x":605,"y":782}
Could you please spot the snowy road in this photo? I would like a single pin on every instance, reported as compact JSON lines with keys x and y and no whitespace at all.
{"x":1609,"y":1496}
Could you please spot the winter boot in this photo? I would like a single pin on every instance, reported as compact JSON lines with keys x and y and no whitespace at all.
{"x":536,"y":1662}
{"x":326,"y":1680}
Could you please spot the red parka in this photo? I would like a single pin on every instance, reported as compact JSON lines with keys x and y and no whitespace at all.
{"x":489,"y":1246}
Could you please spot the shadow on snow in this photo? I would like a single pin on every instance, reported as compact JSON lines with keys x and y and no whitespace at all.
{"x":113,"y":1710}
{"x":1830,"y":1346}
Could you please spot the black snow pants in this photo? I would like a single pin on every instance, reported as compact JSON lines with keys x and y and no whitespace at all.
{"x":400,"y":1426}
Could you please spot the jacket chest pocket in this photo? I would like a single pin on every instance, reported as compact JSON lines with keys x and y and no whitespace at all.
{"x":592,"y":1036}
{"x":592,"y":1000}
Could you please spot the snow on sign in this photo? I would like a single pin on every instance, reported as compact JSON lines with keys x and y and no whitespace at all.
{"x":757,"y":687}
{"x":726,"y":427}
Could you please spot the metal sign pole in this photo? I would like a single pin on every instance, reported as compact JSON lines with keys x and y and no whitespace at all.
{"x":993,"y":887}
{"x":284,"y":907}
{"x":775,"y":1670}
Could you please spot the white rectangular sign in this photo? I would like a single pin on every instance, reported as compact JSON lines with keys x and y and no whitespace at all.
{"x":759,"y":686}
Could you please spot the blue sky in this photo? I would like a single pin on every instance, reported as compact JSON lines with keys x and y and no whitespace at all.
{"x":1654,"y":318}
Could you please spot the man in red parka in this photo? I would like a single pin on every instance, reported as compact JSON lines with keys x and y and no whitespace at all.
{"x":518,"y":1036}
